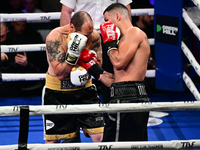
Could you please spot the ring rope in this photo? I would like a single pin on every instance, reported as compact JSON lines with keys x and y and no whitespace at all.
{"x":22,"y":48}
{"x":7,"y":77}
{"x":36,"y":47}
{"x":40,"y":47}
{"x":30,"y":16}
{"x":173,"y":144}
{"x":56,"y":15}
{"x":191,"y":24}
{"x":197,"y":3}
{"x":119,"y":145}
{"x":142,"y":12}
{"x":191,"y":86}
{"x":101,"y":108}
{"x":191,"y":58}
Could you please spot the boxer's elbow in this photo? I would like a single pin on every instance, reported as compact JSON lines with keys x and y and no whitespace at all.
{"x":119,"y":65}
{"x":60,"y":77}
{"x":62,"y":74}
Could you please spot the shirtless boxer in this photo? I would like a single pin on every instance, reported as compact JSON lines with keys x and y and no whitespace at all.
{"x":64,"y":45}
{"x":129,"y":58}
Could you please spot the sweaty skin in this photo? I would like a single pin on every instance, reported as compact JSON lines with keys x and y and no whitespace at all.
{"x":57,"y":48}
{"x":131,"y":58}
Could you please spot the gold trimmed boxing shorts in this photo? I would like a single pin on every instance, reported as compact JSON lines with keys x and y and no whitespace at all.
{"x":64,"y":126}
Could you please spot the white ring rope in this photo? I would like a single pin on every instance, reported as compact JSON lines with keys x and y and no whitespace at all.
{"x":23,"y":77}
{"x":76,"y":109}
{"x":142,"y":12}
{"x":197,"y":3}
{"x":191,"y":24}
{"x":191,"y":86}
{"x":173,"y":144}
{"x":30,"y":16}
{"x":36,"y":47}
{"x":101,"y":108}
{"x":22,"y":48}
{"x":6,"y":77}
{"x":56,"y":15}
{"x":191,"y":58}
{"x":36,"y":76}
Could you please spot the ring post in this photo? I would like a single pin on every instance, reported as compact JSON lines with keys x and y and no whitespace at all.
{"x":168,"y":37}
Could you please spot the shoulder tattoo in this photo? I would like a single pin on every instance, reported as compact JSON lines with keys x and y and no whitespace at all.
{"x":52,"y":48}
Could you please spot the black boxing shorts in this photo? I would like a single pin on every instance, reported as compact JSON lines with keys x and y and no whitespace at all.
{"x":64,"y":126}
{"x":127,"y":126}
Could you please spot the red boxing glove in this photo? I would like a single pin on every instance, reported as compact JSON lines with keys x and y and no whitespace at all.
{"x":88,"y":60}
{"x":86,"y":55}
{"x":109,"y":35}
{"x":108,"y":32}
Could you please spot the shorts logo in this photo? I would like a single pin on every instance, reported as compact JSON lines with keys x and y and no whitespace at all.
{"x":49,"y":124}
{"x":98,"y":118}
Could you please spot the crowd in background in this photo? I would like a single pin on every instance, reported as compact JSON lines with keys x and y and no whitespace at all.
{"x":23,"y":32}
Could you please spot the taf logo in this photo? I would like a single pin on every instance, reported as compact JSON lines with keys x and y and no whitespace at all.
{"x":105,"y":147}
{"x":167,"y":30}
{"x":187,"y":144}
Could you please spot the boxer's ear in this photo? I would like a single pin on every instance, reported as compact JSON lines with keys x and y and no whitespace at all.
{"x":117,"y":17}
{"x":72,"y":27}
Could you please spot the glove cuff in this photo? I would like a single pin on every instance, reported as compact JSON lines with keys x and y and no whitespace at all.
{"x":71,"y":59}
{"x":111,"y":44}
{"x":95,"y":71}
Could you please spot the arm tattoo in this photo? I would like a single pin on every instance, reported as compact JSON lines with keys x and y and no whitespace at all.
{"x":96,"y":44}
{"x":52,"y":48}
{"x":97,"y":47}
{"x":61,"y":57}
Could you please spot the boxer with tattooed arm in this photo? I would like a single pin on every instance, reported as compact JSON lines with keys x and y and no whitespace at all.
{"x":64,"y":45}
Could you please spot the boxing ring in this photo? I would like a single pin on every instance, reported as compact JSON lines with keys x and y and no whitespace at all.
{"x":34,"y":110}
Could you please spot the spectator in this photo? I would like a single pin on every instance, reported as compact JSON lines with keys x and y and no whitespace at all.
{"x":11,"y":6}
{"x":27,"y":62}
{"x":22,"y":31}
{"x":7,"y":88}
{"x":6,"y":39}
{"x":30,"y":6}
